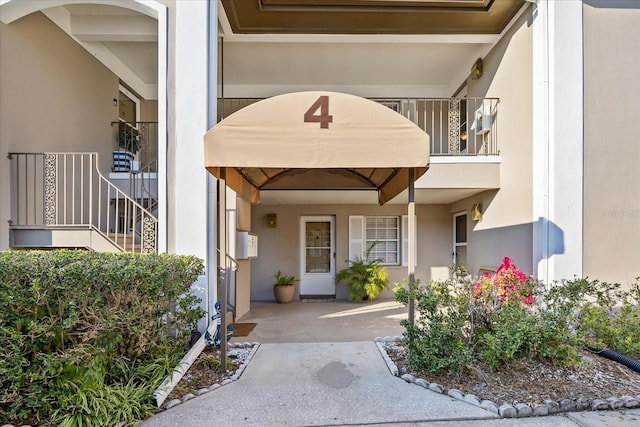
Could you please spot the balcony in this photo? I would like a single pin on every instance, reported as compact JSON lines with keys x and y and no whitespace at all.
{"x":456,"y":126}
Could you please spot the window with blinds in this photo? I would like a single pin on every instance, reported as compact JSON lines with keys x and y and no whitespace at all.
{"x":390,"y":233}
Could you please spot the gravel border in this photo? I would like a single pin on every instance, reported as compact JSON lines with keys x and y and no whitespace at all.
{"x":519,"y":410}
{"x":234,"y":377}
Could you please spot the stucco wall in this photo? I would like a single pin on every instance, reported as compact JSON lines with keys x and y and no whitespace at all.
{"x":55,"y":97}
{"x":279,"y":248}
{"x":506,"y":228}
{"x":611,"y":148}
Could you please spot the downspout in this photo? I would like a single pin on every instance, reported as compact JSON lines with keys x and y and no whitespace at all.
{"x":411,"y":268}
{"x":212,"y":103}
{"x":222,"y":263}
{"x":220,"y":241}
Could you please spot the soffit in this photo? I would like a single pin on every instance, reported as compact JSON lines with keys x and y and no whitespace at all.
{"x":370,"y":16}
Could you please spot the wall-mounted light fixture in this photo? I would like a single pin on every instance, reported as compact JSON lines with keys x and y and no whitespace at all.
{"x":115,"y":102}
{"x":476,"y":212}
{"x":476,"y":69}
{"x":272,"y":220}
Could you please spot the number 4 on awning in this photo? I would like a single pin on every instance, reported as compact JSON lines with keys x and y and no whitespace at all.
{"x":312,"y":116}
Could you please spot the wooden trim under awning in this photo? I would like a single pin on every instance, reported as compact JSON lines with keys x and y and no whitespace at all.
{"x":325,"y":131}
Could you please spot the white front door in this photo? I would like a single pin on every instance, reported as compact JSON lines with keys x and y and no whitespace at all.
{"x":318,"y":264}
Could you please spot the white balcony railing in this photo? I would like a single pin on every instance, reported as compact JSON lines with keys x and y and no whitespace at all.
{"x":66,"y":190}
{"x":456,"y":126}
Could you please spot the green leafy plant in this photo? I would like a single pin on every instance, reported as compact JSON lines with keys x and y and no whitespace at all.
{"x":493,"y":318}
{"x":439,"y":338}
{"x":128,"y":137}
{"x":284,"y":280}
{"x":365,"y":275}
{"x":601,"y":314}
{"x":81,"y":325}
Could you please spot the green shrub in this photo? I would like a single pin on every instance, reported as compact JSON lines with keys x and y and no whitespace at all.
{"x":439,"y":339}
{"x":602,"y":314}
{"x":70,"y":321}
{"x":492,"y":318}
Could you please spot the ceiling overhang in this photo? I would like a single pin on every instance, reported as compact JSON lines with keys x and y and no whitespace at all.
{"x":370,"y":16}
{"x":316,"y":141}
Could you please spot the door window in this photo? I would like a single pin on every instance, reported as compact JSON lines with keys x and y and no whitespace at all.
{"x":318,"y":247}
{"x":460,"y":239}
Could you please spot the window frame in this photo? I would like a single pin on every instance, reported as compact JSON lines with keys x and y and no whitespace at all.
{"x":358,"y":241}
{"x":456,"y":244}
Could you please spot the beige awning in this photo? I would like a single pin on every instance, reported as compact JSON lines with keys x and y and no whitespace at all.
{"x":316,"y":140}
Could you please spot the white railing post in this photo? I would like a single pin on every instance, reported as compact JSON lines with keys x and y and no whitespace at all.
{"x":57,"y":189}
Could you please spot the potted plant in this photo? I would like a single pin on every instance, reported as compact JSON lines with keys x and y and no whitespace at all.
{"x":128,"y":138}
{"x":366,"y":277}
{"x":128,"y":145}
{"x":284,"y":288}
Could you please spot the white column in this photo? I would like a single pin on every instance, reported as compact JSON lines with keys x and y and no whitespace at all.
{"x":190,"y":118}
{"x":558,"y":139}
{"x":163,"y":37}
{"x":188,"y":194}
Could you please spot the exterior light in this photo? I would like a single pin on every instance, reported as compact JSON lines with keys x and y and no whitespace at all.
{"x":272,"y":220}
{"x":476,"y":69}
{"x":476,"y":212}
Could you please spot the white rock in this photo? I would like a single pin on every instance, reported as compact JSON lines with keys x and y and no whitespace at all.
{"x":173,"y":402}
{"x":524,"y":410}
{"x":456,"y":394}
{"x":507,"y":411}
{"x":490,"y":406}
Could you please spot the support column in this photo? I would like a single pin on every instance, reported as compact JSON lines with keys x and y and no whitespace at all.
{"x":222,"y":264}
{"x":558,"y":140}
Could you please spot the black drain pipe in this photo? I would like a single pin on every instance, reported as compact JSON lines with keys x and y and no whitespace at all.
{"x":616,"y":357}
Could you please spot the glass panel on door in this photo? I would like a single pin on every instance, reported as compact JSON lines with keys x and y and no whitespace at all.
{"x":318,"y":247}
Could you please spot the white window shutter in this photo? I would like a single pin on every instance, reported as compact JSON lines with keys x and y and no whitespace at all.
{"x":356,"y":236}
{"x":405,"y":241}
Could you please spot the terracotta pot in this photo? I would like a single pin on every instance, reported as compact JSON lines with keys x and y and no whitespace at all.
{"x":284,"y":293}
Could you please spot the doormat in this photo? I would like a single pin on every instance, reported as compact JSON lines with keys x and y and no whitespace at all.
{"x":243,"y":329}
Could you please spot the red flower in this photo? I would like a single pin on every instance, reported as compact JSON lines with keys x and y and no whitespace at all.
{"x":509,"y":283}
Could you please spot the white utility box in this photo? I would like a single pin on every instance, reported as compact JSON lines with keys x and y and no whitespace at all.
{"x":246,"y":245}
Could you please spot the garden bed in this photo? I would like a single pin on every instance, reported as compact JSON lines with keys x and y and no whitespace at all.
{"x":531,"y":381}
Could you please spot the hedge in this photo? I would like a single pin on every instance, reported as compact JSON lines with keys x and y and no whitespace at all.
{"x":77,"y":320}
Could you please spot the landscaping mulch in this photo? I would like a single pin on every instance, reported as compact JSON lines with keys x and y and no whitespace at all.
{"x":532,"y":381}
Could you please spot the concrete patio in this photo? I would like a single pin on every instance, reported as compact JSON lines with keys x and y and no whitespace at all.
{"x":317,"y":365}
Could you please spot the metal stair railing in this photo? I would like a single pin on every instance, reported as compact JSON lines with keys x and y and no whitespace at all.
{"x":140,"y":181}
{"x":66,"y":190}
{"x":227,"y":274}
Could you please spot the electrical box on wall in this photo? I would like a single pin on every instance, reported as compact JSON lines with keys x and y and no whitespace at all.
{"x":246,"y":245}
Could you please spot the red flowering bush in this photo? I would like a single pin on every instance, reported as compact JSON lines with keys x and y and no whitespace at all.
{"x":493,"y":319}
{"x":507,"y":285}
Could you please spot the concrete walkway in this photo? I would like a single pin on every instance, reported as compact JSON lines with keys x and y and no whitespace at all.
{"x":317,"y":365}
{"x":304,"y":384}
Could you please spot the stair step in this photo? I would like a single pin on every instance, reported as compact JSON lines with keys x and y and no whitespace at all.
{"x":125,"y":241}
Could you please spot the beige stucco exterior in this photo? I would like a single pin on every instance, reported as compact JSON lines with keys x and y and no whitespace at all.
{"x":611,"y":148}
{"x":55,"y":97}
{"x":279,"y":248}
{"x":507,"y":224}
